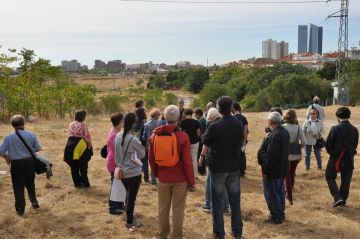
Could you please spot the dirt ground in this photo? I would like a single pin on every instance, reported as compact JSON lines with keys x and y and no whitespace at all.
{"x":69,"y":213}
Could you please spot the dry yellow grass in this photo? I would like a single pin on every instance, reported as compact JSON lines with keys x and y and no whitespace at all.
{"x":69,"y":213}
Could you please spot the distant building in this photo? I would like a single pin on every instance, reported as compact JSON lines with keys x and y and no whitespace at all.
{"x":354,"y":53}
{"x":310,"y":38}
{"x":183,"y":64}
{"x":274,"y":50}
{"x":315,"y":39}
{"x":73,"y":66}
{"x":115,"y":66}
{"x":302,"y":38}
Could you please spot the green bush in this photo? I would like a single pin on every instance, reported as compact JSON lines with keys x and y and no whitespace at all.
{"x":170,"y":99}
{"x":153,"y":97}
{"x":112,"y":103}
{"x":212,"y":91}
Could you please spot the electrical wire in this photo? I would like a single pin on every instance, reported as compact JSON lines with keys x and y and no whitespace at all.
{"x":227,"y":2}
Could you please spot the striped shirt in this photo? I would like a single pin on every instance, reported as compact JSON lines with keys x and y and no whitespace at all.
{"x":15,"y":149}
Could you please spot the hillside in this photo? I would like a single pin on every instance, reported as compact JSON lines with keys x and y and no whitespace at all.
{"x":69,"y":213}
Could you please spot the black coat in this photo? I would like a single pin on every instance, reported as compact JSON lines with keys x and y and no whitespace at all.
{"x":276,"y":154}
{"x":343,"y":136}
{"x":69,"y":151}
{"x":225,"y":138}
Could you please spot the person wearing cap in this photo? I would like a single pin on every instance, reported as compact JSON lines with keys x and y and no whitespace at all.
{"x":22,"y":165}
{"x":274,"y":166}
{"x":341,"y":145}
{"x":316,"y":105}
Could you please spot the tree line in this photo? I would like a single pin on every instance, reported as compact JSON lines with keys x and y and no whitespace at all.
{"x":39,"y":87}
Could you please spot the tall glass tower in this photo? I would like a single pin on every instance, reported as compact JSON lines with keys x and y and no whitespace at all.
{"x":302,"y":38}
{"x":315,"y":38}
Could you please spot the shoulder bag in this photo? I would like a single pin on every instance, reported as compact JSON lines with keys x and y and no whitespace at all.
{"x":295,"y":148}
{"x":40,"y":166}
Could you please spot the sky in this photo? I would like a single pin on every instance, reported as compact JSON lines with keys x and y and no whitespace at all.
{"x":137,"y":32}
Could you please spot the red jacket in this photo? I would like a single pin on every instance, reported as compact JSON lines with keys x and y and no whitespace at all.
{"x":183,"y":171}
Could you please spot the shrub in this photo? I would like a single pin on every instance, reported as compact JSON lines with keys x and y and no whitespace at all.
{"x":170,"y":99}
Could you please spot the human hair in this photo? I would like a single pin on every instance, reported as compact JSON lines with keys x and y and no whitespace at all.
{"x":237,"y":107}
{"x":316,"y":100}
{"x":155,"y":113}
{"x":275,"y":118}
{"x":212,"y":114}
{"x":225,"y":104}
{"x":181,"y":102}
{"x":80,"y":115}
{"x":210,"y":105}
{"x":139,"y":103}
{"x":140,"y":114}
{"x":172,"y":114}
{"x":343,"y":113}
{"x":198,"y":111}
{"x":116,"y":118}
{"x":277,"y":109}
{"x":129,"y":122}
{"x":290,"y":117}
{"x":188,"y":111}
{"x":17,"y":121}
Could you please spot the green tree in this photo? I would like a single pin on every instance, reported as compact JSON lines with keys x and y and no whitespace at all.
{"x":197,"y":79}
{"x":212,"y":91}
{"x":328,"y":72}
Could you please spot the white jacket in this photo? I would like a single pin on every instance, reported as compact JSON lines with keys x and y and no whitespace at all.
{"x":312,"y":130}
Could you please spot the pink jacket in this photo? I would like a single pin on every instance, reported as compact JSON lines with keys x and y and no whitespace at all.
{"x":110,"y":159}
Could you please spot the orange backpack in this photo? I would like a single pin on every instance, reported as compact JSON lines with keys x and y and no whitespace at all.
{"x":165,"y":150}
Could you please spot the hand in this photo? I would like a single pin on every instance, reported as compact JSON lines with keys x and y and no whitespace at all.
{"x":8,"y":161}
{"x":201,"y":160}
{"x":191,"y":188}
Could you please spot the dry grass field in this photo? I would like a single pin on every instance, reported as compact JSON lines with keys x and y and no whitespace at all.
{"x":69,"y":213}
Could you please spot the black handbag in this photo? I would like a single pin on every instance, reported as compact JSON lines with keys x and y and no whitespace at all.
{"x":103,"y":151}
{"x":320,"y":143}
{"x":261,"y":155}
{"x":295,"y":148}
{"x":40,"y":167}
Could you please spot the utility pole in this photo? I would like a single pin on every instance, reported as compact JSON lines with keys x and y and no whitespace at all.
{"x":341,"y":86}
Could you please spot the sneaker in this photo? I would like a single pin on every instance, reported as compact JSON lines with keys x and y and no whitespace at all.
{"x":319,"y":168}
{"x":274,"y":222}
{"x":206,"y":208}
{"x":338,"y":203}
{"x":226,"y":211}
{"x":134,"y":226}
{"x":20,"y":211}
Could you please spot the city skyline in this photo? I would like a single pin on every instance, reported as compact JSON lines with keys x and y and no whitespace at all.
{"x":162,"y":33}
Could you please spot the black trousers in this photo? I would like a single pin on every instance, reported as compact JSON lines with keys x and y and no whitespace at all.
{"x":23,"y":175}
{"x":113,"y":206}
{"x":331,"y":175}
{"x":79,"y":173}
{"x":243,"y":163}
{"x":132,"y":186}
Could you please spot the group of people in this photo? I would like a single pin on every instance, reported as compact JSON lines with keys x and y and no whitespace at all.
{"x":181,"y":143}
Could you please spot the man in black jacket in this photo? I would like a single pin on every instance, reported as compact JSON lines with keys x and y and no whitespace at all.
{"x":225,"y":138}
{"x":274,"y":164}
{"x":341,"y":145}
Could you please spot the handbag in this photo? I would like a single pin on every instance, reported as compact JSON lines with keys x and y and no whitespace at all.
{"x":103,"y":151}
{"x":119,"y":172}
{"x":261,"y":155}
{"x":320,"y":143}
{"x":40,"y":166}
{"x":295,"y":148}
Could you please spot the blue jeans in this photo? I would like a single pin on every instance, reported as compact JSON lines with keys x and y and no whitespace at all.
{"x":220,"y":184}
{"x":208,"y":193}
{"x":274,"y":192}
{"x":317,"y":152}
{"x":145,"y":168}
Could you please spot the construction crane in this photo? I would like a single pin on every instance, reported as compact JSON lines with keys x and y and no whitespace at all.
{"x":341,"y":86}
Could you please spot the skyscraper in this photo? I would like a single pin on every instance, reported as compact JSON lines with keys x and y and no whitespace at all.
{"x":302,"y":38}
{"x":315,"y":38}
{"x":274,"y":50}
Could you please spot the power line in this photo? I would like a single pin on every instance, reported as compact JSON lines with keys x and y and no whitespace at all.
{"x":227,"y":2}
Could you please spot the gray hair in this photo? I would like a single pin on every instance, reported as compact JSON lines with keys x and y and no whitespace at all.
{"x":275,"y":118}
{"x":172,"y":114}
{"x":212,"y":114}
{"x":17,"y":121}
{"x":316,"y":99}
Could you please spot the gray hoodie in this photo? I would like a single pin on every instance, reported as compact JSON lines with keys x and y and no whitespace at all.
{"x":129,"y":167}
